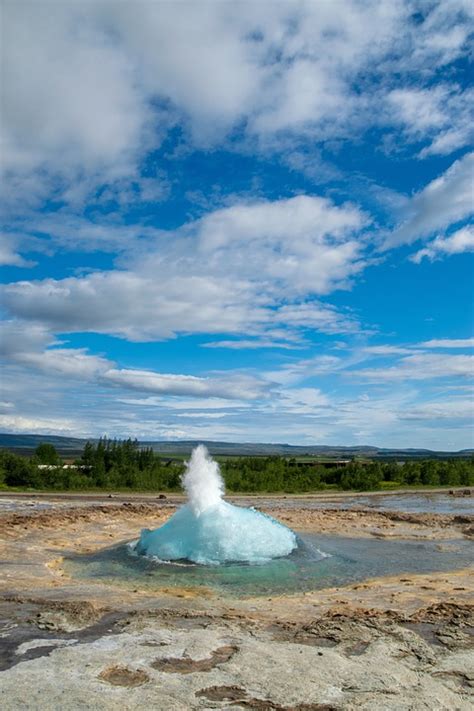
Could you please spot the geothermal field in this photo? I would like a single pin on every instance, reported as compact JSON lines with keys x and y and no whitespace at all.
{"x":263,"y":602}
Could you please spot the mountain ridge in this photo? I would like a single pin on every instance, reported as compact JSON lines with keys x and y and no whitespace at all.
{"x":73,"y":446}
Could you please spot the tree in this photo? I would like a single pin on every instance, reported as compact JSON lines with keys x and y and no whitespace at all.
{"x":46,"y":454}
{"x":17,"y":470}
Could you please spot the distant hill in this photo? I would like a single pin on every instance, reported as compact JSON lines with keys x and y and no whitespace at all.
{"x":26,"y":443}
{"x":73,"y":446}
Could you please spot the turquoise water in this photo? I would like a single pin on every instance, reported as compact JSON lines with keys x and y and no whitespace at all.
{"x":221,"y":533}
{"x":319,"y":562}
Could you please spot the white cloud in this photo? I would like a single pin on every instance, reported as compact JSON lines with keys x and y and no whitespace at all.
{"x":21,"y":337}
{"x":137,"y":306}
{"x":246,"y":344}
{"x":202,"y":415}
{"x":422,"y":366}
{"x":244,"y":269}
{"x":355,"y":410}
{"x":317,"y":316}
{"x":304,"y":243}
{"x":443,"y":202}
{"x":385,"y":350}
{"x":444,"y":31}
{"x":9,"y":253}
{"x":225,"y":386}
{"x":183,"y":403}
{"x":6,"y":405}
{"x":449,"y":343}
{"x":91,"y":87}
{"x":43,"y":425}
{"x":457,"y":243}
{"x":459,"y":408}
{"x":71,"y":98}
{"x":440,"y":115}
{"x":71,"y":232}
{"x":321,"y":365}
{"x":70,"y":362}
{"x":27,"y":347}
{"x":303,"y":400}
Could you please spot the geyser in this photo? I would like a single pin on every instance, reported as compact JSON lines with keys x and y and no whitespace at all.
{"x":210,"y":531}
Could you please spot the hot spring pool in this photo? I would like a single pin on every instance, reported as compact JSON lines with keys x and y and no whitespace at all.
{"x":240,"y":551}
{"x":345,"y":561}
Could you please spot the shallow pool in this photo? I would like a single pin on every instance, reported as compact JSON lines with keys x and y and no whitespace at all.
{"x":320,"y":562}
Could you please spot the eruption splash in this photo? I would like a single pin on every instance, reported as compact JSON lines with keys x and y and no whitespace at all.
{"x":210,"y":531}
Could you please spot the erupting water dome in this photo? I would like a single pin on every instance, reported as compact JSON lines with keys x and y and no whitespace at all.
{"x":210,"y":531}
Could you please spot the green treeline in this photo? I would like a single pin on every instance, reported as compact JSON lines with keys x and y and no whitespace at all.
{"x":279,"y":474}
{"x":107,"y":464}
{"x":112,"y":464}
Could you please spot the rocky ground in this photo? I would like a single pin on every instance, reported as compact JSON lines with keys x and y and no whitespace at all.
{"x":388,"y":643}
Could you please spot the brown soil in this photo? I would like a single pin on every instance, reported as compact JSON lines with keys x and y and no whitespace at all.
{"x":240,"y":697}
{"x":55,"y":518}
{"x":382,"y":524}
{"x":122,"y":676}
{"x":186,"y":665}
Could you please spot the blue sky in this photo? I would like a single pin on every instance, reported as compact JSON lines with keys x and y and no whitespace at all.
{"x":239,"y":221}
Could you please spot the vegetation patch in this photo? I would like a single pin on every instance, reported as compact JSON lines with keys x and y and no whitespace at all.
{"x":123,"y":465}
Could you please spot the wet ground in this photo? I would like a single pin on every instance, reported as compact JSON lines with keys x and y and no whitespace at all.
{"x":446,"y":501}
{"x":320,"y":562}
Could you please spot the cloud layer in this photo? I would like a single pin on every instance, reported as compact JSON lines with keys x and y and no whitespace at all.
{"x":244,"y":269}
{"x":91,"y":87}
{"x":226,"y":222}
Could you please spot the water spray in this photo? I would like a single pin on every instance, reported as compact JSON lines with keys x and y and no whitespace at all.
{"x":208,"y":530}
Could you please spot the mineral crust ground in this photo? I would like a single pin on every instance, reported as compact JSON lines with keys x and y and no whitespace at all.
{"x":401,"y":642}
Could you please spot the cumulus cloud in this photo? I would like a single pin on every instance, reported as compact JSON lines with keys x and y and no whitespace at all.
{"x":443,"y":202}
{"x":243,"y":269}
{"x":71,"y":98}
{"x":305,"y":243}
{"x":460,"y":241}
{"x":20,"y":337}
{"x":9,"y":252}
{"x":91,"y":87}
{"x":70,"y":362}
{"x":440,"y":115}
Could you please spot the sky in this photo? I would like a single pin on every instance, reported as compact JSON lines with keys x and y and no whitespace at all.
{"x":238,"y":221}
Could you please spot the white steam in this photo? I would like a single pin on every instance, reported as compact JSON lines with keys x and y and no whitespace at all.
{"x":210,"y":531}
{"x":202,"y":481}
